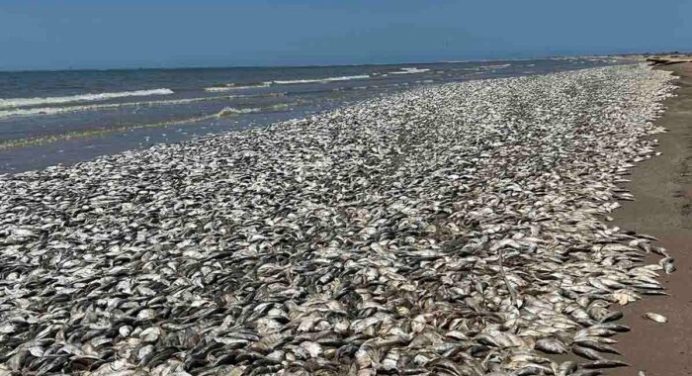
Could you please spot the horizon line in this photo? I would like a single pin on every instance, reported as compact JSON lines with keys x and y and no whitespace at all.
{"x":447,"y":61}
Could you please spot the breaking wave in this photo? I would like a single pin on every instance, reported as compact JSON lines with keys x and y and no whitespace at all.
{"x":231,"y":87}
{"x":59,"y":110}
{"x":321,"y":80}
{"x":226,"y":112}
{"x":27,"y":102}
{"x":496,"y":66}
{"x":230,"y":111}
{"x":412,"y":70}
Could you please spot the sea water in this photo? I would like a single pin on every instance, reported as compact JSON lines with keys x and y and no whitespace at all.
{"x":63,"y":117}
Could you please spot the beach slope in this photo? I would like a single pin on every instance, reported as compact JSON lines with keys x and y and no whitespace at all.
{"x":662,"y":187}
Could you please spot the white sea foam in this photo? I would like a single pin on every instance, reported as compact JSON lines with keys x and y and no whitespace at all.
{"x":25,"y":102}
{"x":231,"y":87}
{"x":412,"y":70}
{"x":230,"y":111}
{"x":321,"y":80}
{"x":217,"y":89}
{"x":496,"y":66}
{"x":16,"y":112}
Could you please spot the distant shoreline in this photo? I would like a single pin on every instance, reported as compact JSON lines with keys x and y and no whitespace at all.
{"x":308,"y":66}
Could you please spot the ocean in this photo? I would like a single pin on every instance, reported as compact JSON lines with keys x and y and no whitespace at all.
{"x":64,"y":117}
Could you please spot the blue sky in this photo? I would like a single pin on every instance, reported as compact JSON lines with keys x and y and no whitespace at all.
{"x":147,"y":33}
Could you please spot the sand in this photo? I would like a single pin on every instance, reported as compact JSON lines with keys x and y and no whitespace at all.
{"x":662,"y":187}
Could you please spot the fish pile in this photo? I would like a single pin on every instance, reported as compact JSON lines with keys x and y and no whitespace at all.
{"x":458,"y":229}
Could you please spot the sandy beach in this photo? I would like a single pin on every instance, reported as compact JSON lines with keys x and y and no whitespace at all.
{"x":331,"y":188}
{"x":662,"y":188}
{"x":454,"y":229}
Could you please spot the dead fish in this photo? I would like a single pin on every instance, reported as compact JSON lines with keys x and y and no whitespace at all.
{"x":567,"y":368}
{"x":598,"y":346}
{"x":620,"y":328}
{"x":587,"y":372}
{"x":605,"y":363}
{"x":656,"y":317}
{"x":586,"y":352}
{"x":551,"y":345}
{"x":668,"y":264}
{"x":452,"y":229}
{"x":612,"y":316}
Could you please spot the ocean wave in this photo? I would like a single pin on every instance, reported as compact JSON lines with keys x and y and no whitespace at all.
{"x":412,"y":70}
{"x":98,"y":132}
{"x":230,"y":111}
{"x":352,"y":88}
{"x":60,"y":110}
{"x":231,"y":87}
{"x":226,"y":112}
{"x":496,"y":66}
{"x":27,"y":102}
{"x":217,"y":89}
{"x":321,"y":80}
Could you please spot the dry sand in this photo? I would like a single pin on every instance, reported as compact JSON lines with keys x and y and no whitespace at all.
{"x":662,"y":187}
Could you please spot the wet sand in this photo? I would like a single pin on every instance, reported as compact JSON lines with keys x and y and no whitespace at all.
{"x":662,"y":187}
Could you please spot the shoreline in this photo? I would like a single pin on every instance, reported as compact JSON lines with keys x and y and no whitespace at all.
{"x":44,"y":127}
{"x":423,"y":231}
{"x":662,"y":187}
